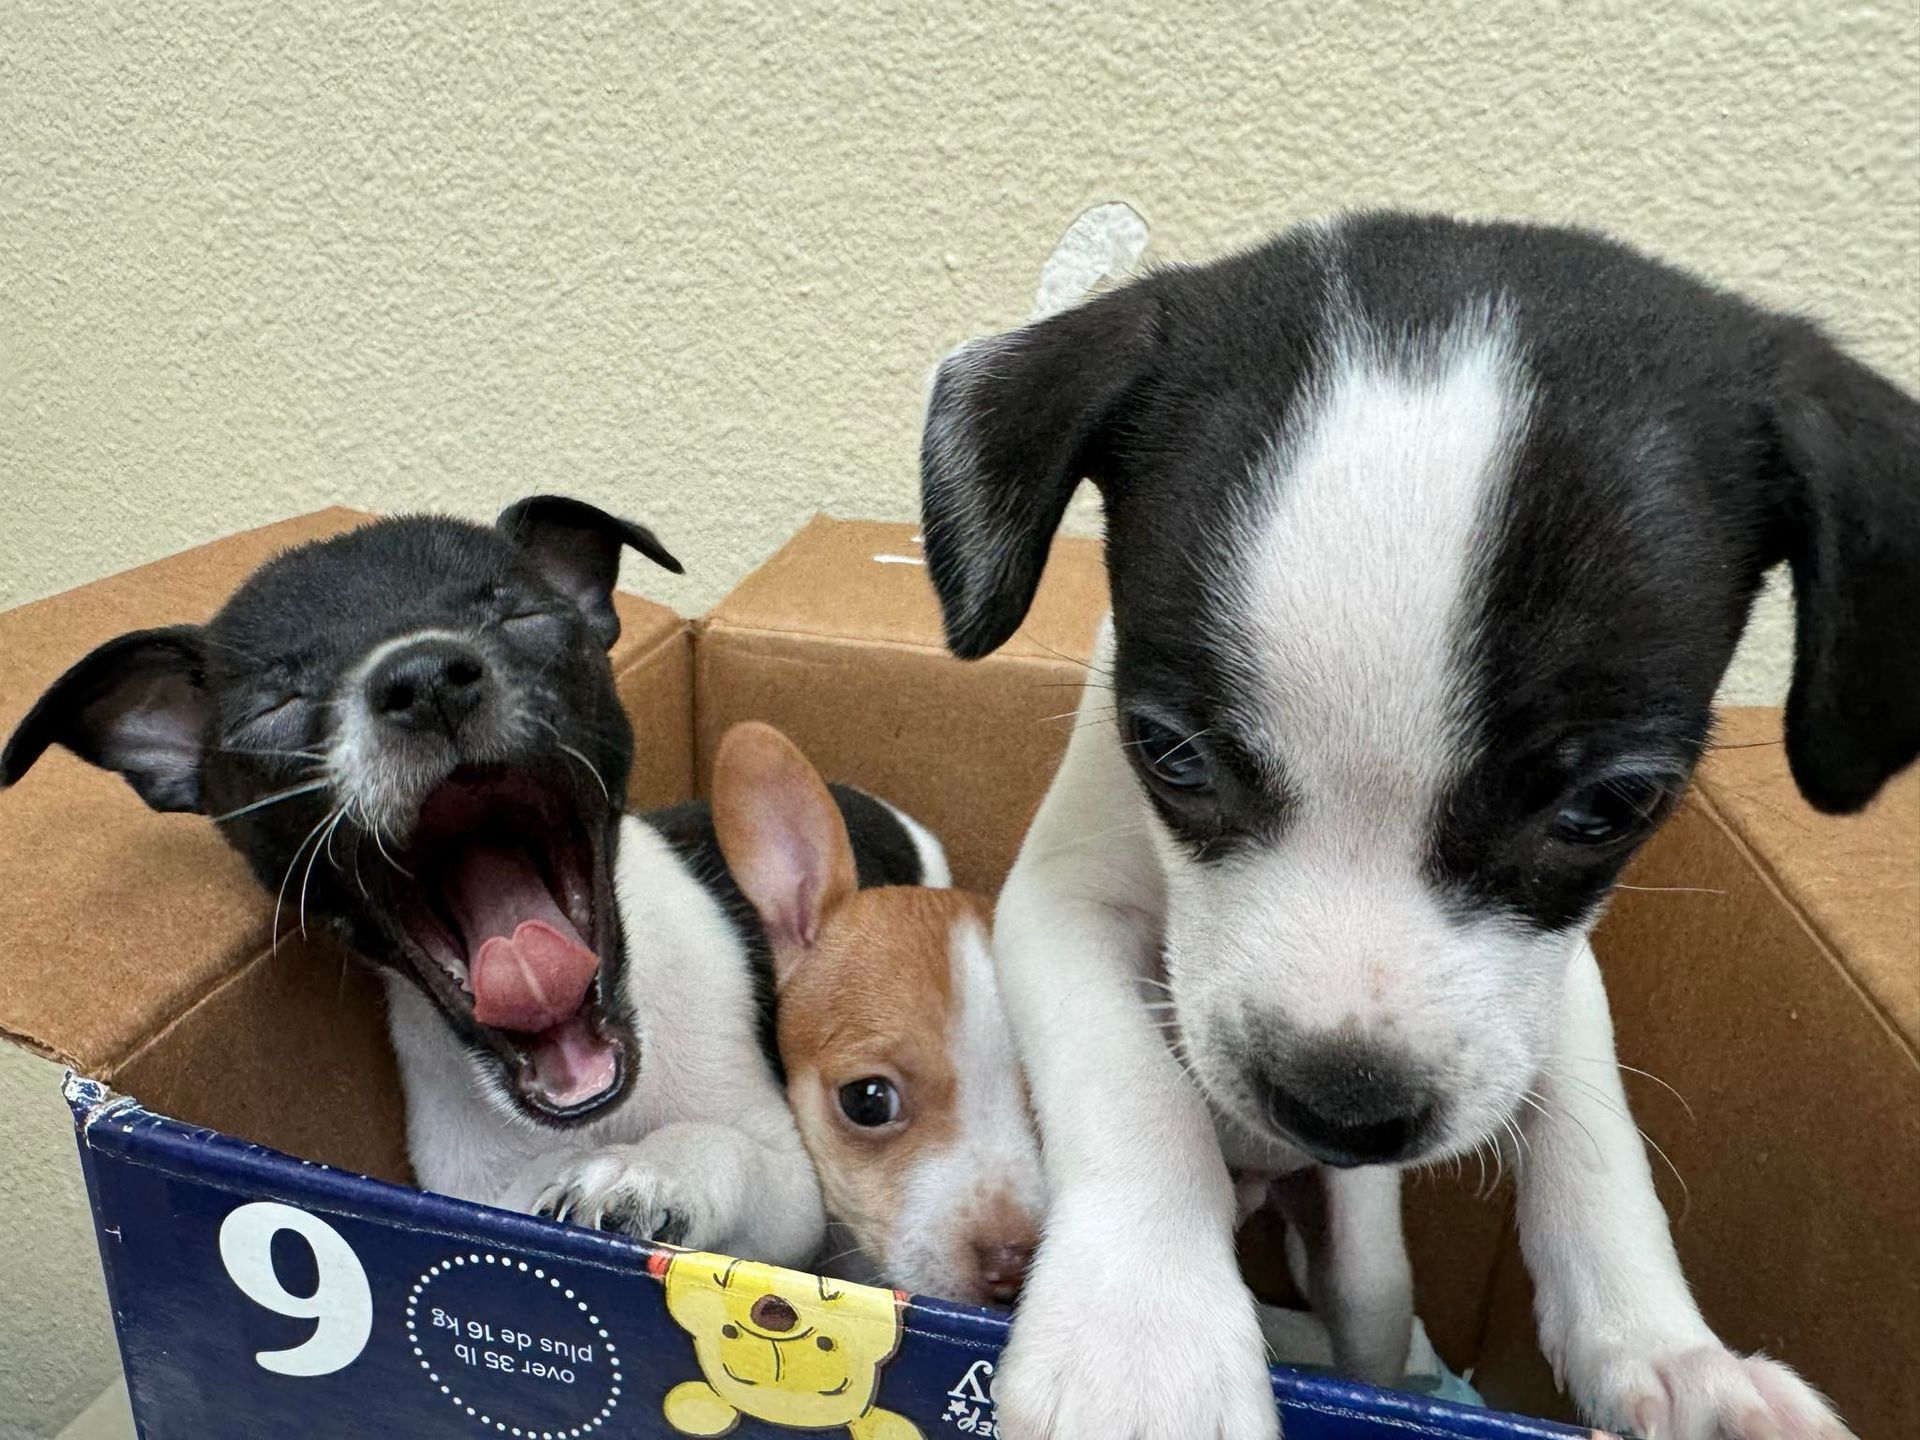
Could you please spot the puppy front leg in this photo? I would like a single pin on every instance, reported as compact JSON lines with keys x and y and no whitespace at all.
{"x":695,"y":1183}
{"x":1615,"y":1315}
{"x":1134,"y":1323}
{"x":1358,"y":1275}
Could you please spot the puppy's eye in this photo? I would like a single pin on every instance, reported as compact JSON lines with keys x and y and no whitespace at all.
{"x":870,"y":1103}
{"x":1170,"y":756}
{"x":1610,"y":810}
{"x":275,"y":713}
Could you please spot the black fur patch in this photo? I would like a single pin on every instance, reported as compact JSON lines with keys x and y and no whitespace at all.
{"x":883,"y":854}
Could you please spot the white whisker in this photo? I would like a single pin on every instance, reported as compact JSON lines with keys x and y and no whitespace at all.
{"x":605,"y":794}
{"x":1601,"y":1098}
{"x":1649,"y":1075}
{"x":359,"y":834}
{"x":1672,"y":889}
{"x":313,"y":859}
{"x":295,"y":792}
{"x":280,"y":895}
{"x":591,"y":768}
{"x":381,"y":845}
{"x":318,"y":759}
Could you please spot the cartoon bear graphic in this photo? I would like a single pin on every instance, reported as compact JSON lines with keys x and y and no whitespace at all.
{"x":794,"y":1350}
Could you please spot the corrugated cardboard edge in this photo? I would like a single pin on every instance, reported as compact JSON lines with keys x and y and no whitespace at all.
{"x":674,"y":646}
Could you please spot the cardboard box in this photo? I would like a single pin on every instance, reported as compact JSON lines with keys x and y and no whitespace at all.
{"x":1777,"y":990}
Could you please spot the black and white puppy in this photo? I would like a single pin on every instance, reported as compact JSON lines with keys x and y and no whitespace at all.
{"x":411,"y":731}
{"x":1429,"y":543}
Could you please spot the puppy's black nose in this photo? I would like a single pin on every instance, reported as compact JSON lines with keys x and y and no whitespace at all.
{"x":428,"y":685}
{"x":1346,"y":1103}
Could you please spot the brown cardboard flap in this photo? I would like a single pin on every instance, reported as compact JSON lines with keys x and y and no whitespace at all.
{"x":1855,"y":879}
{"x":655,"y":685}
{"x":865,"y":581}
{"x":116,"y":919}
{"x":103,"y":897}
{"x":837,"y":641}
{"x":288,"y":1050}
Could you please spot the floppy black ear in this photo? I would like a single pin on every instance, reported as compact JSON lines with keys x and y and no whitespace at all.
{"x":138,"y":705}
{"x":1850,"y":445}
{"x":1014,"y":423}
{"x":576,"y":546}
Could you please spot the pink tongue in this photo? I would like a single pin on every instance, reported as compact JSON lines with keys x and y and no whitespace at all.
{"x":527,"y":966}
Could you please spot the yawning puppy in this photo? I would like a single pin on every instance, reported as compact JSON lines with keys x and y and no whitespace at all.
{"x":411,"y":731}
{"x":1428,"y":545}
{"x":900,"y":1070}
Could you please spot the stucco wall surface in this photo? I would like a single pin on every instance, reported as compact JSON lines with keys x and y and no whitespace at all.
{"x":697,"y":259}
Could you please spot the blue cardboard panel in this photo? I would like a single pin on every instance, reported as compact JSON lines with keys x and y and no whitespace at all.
{"x":260,"y":1295}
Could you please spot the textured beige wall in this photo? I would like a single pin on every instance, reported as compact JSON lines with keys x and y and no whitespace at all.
{"x":56,"y":1333}
{"x":695,"y":260}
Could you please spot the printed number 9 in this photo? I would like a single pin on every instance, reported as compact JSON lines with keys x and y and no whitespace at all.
{"x":341,"y":1301}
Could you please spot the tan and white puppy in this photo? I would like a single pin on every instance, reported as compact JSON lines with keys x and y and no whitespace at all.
{"x":899,"y":1064}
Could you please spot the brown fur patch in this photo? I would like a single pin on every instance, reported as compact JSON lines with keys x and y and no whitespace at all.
{"x":874,"y":997}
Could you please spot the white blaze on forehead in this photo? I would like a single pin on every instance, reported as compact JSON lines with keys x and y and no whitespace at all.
{"x":993,"y":1151}
{"x":992,"y":1108}
{"x":1354,"y":595}
{"x":1377,"y":511}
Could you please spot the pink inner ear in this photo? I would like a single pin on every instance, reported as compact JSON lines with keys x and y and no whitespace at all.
{"x":158,"y":726}
{"x":784,"y":877}
{"x":782,"y":836}
{"x":803,"y":923}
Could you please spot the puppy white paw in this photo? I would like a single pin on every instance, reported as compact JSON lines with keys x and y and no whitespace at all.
{"x":1102,"y":1350}
{"x":1704,"y":1392}
{"x":619,"y":1189}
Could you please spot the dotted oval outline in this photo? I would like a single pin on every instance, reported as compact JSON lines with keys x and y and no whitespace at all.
{"x":526,"y":1432}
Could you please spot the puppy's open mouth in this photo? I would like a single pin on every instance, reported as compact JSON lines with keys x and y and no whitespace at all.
{"x":511,"y":909}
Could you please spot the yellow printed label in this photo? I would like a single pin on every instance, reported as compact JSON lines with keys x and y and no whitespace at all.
{"x":795,"y":1350}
